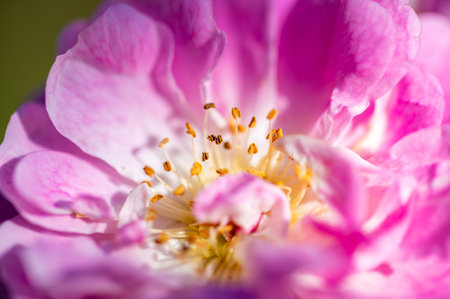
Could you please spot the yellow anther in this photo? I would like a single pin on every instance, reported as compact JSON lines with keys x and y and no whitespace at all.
{"x":278,"y":134}
{"x":162,"y":238}
{"x":167,"y":166}
{"x":78,"y":215}
{"x":196,"y":168}
{"x":149,"y":171}
{"x":147,"y":183}
{"x":252,"y":123}
{"x":222,"y":171}
{"x":156,"y":198}
{"x":227,"y":145}
{"x":219,"y":139}
{"x":151,"y":214}
{"x":203,"y":231}
{"x":272,"y":113}
{"x":205,"y":156}
{"x":275,"y":134}
{"x":190,"y":131}
{"x":225,"y":229}
{"x":209,"y":106}
{"x":163,"y":142}
{"x":252,"y":149}
{"x":256,"y":172}
{"x":180,"y":190}
{"x":236,"y":113}
{"x":211,"y":138}
{"x":241,"y":129}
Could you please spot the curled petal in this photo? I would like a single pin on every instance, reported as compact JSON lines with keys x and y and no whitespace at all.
{"x":242,"y":199}
{"x":337,"y":180}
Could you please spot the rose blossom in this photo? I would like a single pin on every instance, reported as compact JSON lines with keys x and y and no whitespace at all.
{"x":171,"y":159}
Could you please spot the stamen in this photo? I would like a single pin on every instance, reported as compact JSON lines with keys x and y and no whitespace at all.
{"x":149,"y":171}
{"x":241,"y":128}
{"x":167,"y":166}
{"x":162,"y":238}
{"x":272,"y":113}
{"x":180,"y":190}
{"x":156,"y":198}
{"x":219,"y":139}
{"x":227,"y":145}
{"x":211,"y":138}
{"x":196,"y":169}
{"x":147,"y":182}
{"x":277,"y":135}
{"x":222,"y":171}
{"x":252,"y":149}
{"x":205,"y":156}
{"x":236,"y":113}
{"x":164,"y":142}
{"x":209,"y":106}
{"x":190,"y":130}
{"x":252,"y":123}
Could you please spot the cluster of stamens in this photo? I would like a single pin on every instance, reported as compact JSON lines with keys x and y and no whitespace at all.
{"x":209,"y":246}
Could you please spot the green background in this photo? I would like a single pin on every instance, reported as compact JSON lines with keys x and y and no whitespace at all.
{"x":28,"y":33}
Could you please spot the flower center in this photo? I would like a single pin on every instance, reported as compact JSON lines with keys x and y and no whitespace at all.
{"x":240,"y":148}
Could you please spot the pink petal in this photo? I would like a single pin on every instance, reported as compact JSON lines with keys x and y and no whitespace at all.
{"x":30,"y":130}
{"x":421,"y":148}
{"x":198,"y":42}
{"x":244,"y":76}
{"x":434,"y":52}
{"x":242,"y":199}
{"x":104,"y":94}
{"x":52,"y":186}
{"x":132,"y":227}
{"x":356,"y":50}
{"x":418,"y":103}
{"x":78,"y":268}
{"x":18,"y":231}
{"x":336,"y":175}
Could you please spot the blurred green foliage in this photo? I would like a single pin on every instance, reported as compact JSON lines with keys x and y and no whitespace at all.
{"x":28,"y":33}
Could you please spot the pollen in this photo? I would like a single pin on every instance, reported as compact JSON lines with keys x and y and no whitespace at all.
{"x":219,"y":139}
{"x":167,"y":166}
{"x":222,"y":171}
{"x":180,"y":190}
{"x":274,"y":135}
{"x":252,"y":149}
{"x":149,"y":171}
{"x":147,"y":183}
{"x":252,"y":123}
{"x":164,"y":142}
{"x":156,"y":198}
{"x":196,"y":169}
{"x":236,"y":113}
{"x":209,"y":106}
{"x":205,"y":156}
{"x":190,"y":130}
{"x":227,"y":145}
{"x":272,"y":113}
{"x":212,"y":138}
{"x":162,"y":238}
